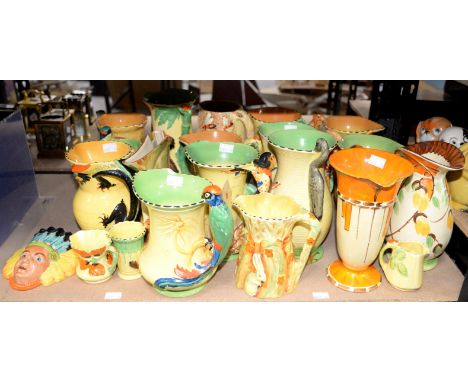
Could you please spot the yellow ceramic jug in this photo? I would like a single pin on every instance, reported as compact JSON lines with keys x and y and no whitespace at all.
{"x":458,"y":184}
{"x":405,"y":267}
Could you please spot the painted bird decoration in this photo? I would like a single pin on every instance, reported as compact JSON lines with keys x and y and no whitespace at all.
{"x":222,"y":229}
{"x":316,"y":181}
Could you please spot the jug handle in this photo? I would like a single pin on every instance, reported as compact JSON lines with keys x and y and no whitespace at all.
{"x":255,"y":142}
{"x":310,"y":220}
{"x":392,"y":245}
{"x":247,"y":123}
{"x":128,"y":182}
{"x":115,"y":258}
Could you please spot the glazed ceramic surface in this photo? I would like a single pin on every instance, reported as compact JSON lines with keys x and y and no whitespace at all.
{"x":269,"y":114}
{"x":369,"y":141}
{"x":124,"y":125}
{"x":128,"y":238}
{"x":178,"y":259}
{"x":422,"y":212}
{"x":158,"y":157}
{"x":266,"y":129}
{"x":97,"y":257}
{"x":45,"y":260}
{"x":104,"y":195}
{"x":267,"y":267}
{"x":404,"y":266}
{"x":226,"y":164}
{"x":350,"y":124}
{"x":430,"y":129}
{"x":458,"y":184}
{"x":454,"y":135}
{"x":301,"y":175}
{"x":226,"y":116}
{"x":210,"y":135}
{"x":368,"y":182}
{"x":171,"y":111}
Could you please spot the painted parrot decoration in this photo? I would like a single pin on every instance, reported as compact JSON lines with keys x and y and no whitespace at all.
{"x":222,"y":228}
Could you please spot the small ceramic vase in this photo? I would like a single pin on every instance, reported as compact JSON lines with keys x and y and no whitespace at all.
{"x":270,"y":114}
{"x":454,"y":135}
{"x":368,"y":182}
{"x":404,"y":267}
{"x":171,"y":111}
{"x":227,"y":164}
{"x":105,"y":195}
{"x":422,"y":211}
{"x":45,"y":260}
{"x":267,"y":267}
{"x":350,"y":124}
{"x":179,"y":259}
{"x":458,"y":184}
{"x":97,"y":257}
{"x":128,"y":237}
{"x":226,"y":116}
{"x":302,"y":155}
{"x":430,"y":129}
{"x":370,"y":142}
{"x":124,"y":125}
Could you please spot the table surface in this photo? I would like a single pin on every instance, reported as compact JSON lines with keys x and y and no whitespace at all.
{"x":55,"y":208}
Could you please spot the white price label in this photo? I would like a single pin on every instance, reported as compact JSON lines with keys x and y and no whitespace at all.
{"x":113,"y":296}
{"x":175,"y":181}
{"x":226,"y":148}
{"x":290,"y":127}
{"x":376,"y":161}
{"x":320,"y":295}
{"x":109,"y":147}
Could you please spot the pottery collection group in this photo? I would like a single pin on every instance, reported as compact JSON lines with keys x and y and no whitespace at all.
{"x":260,"y":187}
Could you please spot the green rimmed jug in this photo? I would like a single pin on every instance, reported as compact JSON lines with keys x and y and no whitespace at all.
{"x":179,"y":259}
{"x":370,"y":142}
{"x":302,"y":155}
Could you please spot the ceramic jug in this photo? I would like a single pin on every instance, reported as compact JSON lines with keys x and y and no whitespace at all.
{"x":368,"y":182}
{"x":266,"y":129}
{"x":267,"y":267}
{"x":104,"y":196}
{"x":302,"y":155}
{"x":171,"y":111}
{"x":431,"y":129}
{"x":179,"y":259}
{"x":270,"y":114}
{"x":96,"y":256}
{"x":404,"y":268}
{"x":227,"y":164}
{"x":128,"y":238}
{"x":124,"y":125}
{"x":422,"y":211}
{"x":225,"y":116}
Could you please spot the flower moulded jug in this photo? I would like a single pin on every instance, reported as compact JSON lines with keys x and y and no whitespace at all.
{"x":422,"y":210}
{"x":105,"y":195}
{"x":267,"y":267}
{"x":368,"y":182}
{"x":178,"y":259}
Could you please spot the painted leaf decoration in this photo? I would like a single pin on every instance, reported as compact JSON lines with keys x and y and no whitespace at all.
{"x":400,"y":195}
{"x":429,"y":241}
{"x":167,"y":116}
{"x":392,"y":263}
{"x":435,"y":202}
{"x":402,"y":269}
{"x":395,"y":208}
{"x":401,"y":257}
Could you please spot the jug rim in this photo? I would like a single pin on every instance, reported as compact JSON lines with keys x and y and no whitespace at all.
{"x":283,"y":218}
{"x":230,"y":166}
{"x":449,"y":152}
{"x":101,"y":142}
{"x":321,"y":134}
{"x":170,"y":97}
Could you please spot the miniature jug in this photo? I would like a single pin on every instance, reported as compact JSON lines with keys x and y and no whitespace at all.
{"x":404,"y":268}
{"x":266,"y":266}
{"x":96,"y":256}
